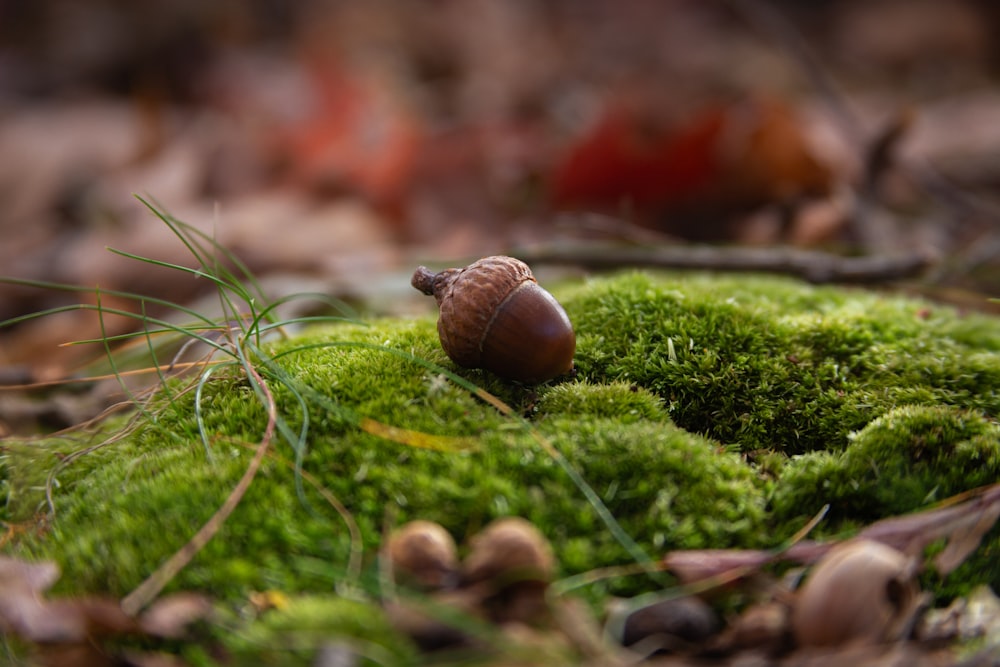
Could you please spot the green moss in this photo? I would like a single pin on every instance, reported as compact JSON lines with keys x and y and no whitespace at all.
{"x":767,"y":363}
{"x":293,"y":633}
{"x":615,"y":400}
{"x":653,"y":476}
{"x":910,"y":457}
{"x":873,"y":404}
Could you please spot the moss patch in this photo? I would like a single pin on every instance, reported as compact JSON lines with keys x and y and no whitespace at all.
{"x":768,"y":363}
{"x":289,"y":634}
{"x":706,"y":412}
{"x":910,"y":457}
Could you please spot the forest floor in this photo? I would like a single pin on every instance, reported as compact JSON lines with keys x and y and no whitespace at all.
{"x":333,"y":147}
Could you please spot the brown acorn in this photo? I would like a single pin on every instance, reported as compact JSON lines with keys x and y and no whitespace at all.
{"x":509,"y":549}
{"x":494,"y":315}
{"x":862,"y":591}
{"x":425,"y":553}
{"x":510,"y":565}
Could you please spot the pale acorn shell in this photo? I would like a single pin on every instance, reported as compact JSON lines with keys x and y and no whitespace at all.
{"x":862,"y":591}
{"x":424,"y":552}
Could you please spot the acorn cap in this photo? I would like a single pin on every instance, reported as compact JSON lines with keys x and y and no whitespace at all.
{"x":468,"y":299}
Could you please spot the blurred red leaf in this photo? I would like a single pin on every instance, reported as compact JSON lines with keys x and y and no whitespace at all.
{"x":723,"y":161}
{"x":624,"y":160}
{"x":358,"y":135}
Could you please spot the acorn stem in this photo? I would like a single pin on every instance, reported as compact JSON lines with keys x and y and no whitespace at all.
{"x":423,"y":280}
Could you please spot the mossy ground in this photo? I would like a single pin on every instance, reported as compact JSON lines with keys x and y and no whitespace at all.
{"x":706,"y":412}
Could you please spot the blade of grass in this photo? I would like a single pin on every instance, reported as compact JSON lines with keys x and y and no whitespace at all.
{"x":107,"y":350}
{"x":197,"y":273}
{"x":185,"y":232}
{"x":199,"y":418}
{"x":174,"y":225}
{"x":298,"y":442}
{"x":208,"y":259}
{"x":264,"y":314}
{"x":164,"y":385}
{"x":97,"y":378}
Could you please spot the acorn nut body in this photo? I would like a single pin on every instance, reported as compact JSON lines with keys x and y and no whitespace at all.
{"x":862,"y":591}
{"x":494,"y":315}
{"x":424,"y":553}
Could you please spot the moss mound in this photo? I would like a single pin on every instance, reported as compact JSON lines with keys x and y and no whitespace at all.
{"x":771,"y":364}
{"x":910,"y":457}
{"x":874,"y":404}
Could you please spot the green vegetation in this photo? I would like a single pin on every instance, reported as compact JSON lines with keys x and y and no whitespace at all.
{"x":706,"y":412}
{"x":667,"y":487}
{"x":289,"y":634}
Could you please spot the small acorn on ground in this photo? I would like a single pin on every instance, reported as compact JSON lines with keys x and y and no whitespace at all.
{"x":424,"y":553}
{"x":508,"y":550}
{"x":510,"y":564}
{"x":494,"y":315}
{"x":861,"y":591}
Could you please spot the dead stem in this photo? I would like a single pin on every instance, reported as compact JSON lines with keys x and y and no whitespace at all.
{"x":135,"y":601}
{"x":354,"y":563}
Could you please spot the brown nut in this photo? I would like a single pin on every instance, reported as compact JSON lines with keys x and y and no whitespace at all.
{"x":508,"y":550}
{"x":861,"y":591}
{"x":424,"y":553}
{"x":494,"y":315}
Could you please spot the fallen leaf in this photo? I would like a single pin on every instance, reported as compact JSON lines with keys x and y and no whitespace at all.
{"x":702,"y":564}
{"x":962,"y":523}
{"x":962,"y":520}
{"x":358,"y":136}
{"x":689,"y":179}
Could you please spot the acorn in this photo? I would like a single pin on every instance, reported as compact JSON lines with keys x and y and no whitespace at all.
{"x":509,"y":566}
{"x":494,"y":315}
{"x":509,"y":549}
{"x":861,"y":591}
{"x":424,"y":553}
